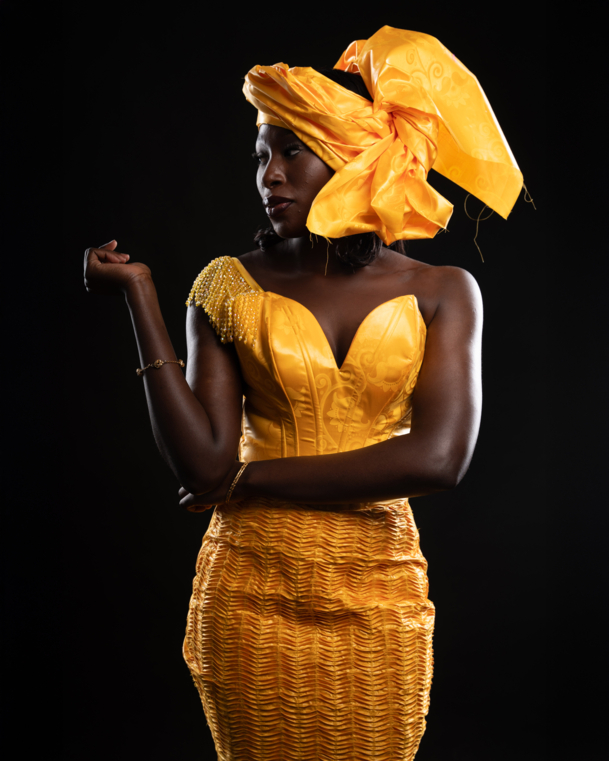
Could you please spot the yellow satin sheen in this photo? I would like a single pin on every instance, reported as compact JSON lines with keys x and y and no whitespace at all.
{"x":309,"y":631}
{"x":298,"y":402}
{"x":428,"y":111}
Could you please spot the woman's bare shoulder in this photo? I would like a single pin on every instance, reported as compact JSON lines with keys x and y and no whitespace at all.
{"x":447,"y":279}
{"x":251,"y":257}
{"x":436,"y":278}
{"x":438,"y":286}
{"x":454,"y":292}
{"x":254,"y":262}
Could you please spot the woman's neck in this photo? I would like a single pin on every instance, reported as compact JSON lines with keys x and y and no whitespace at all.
{"x":311,"y":255}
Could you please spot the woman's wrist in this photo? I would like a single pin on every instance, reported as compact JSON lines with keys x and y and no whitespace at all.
{"x":243,"y":488}
{"x":139,"y":288}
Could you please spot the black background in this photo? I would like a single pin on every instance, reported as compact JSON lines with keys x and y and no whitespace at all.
{"x":157,"y":140}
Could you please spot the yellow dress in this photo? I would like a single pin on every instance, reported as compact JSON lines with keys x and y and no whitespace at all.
{"x":309,"y":632}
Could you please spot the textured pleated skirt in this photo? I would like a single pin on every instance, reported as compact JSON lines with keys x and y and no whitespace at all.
{"x":309,"y":632}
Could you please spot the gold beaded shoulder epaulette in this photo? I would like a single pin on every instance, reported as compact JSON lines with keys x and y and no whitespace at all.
{"x":229,"y":301}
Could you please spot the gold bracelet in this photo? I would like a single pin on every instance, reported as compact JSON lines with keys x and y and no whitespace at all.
{"x":159,"y":363}
{"x":234,"y":483}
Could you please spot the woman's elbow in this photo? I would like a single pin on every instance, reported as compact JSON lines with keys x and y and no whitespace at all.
{"x":206,"y":479}
{"x":448,"y":471}
{"x":445,"y":481}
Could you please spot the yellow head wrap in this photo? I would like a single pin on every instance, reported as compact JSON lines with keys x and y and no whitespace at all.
{"x":428,"y":110}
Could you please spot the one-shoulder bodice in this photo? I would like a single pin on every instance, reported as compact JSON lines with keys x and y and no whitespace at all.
{"x":297,"y":401}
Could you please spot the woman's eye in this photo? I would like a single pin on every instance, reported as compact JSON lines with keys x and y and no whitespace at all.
{"x":289,"y":152}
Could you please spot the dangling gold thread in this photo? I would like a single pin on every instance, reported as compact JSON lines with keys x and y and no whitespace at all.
{"x":327,"y":256}
{"x":530,"y":197}
{"x":479,"y":219}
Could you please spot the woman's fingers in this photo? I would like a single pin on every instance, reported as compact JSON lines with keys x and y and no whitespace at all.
{"x":101,"y":273}
{"x":188,"y":500}
{"x":107,"y":253}
{"x":112,"y":257}
{"x":217,"y":496}
{"x":95,"y":256}
{"x":193,"y":503}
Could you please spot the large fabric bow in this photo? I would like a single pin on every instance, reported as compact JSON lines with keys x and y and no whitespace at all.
{"x":428,"y":111}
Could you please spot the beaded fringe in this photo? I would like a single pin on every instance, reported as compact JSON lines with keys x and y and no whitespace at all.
{"x":217,"y":289}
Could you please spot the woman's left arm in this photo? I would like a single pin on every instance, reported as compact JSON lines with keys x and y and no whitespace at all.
{"x":434,"y":456}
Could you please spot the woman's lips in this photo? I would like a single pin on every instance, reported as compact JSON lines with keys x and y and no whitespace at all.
{"x":275,"y":211}
{"x":276,"y":206}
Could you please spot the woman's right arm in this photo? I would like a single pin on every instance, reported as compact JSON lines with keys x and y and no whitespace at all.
{"x":196,"y":420}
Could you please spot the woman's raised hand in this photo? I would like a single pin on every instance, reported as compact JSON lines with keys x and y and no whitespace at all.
{"x":105,"y":270}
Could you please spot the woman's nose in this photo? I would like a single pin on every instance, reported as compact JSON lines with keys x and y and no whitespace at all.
{"x":273,"y":175}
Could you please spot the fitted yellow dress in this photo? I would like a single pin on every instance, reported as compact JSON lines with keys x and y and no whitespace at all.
{"x":309,"y":632}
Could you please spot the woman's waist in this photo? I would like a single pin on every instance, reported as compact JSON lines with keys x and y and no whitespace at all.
{"x":269,"y":439}
{"x":336,"y":534}
{"x":344,"y":508}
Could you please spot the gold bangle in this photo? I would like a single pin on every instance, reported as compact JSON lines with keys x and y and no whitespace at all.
{"x":234,"y":483}
{"x":159,"y":363}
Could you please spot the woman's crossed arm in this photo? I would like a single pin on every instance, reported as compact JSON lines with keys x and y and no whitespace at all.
{"x":433,"y":457}
{"x":196,"y":420}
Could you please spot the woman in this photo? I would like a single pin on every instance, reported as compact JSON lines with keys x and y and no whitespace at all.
{"x":309,"y":630}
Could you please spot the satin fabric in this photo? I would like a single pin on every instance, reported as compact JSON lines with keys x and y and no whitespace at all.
{"x":428,"y":110}
{"x":298,"y":402}
{"x":309,"y":632}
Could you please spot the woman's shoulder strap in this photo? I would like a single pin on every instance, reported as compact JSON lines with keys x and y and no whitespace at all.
{"x":215,"y":290}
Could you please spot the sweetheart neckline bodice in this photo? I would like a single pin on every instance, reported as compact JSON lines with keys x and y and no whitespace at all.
{"x":353,"y":342}
{"x":297,"y":401}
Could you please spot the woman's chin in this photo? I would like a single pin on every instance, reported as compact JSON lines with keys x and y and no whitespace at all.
{"x":284,"y":230}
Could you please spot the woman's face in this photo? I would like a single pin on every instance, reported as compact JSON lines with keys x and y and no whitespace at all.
{"x":289,"y":177}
